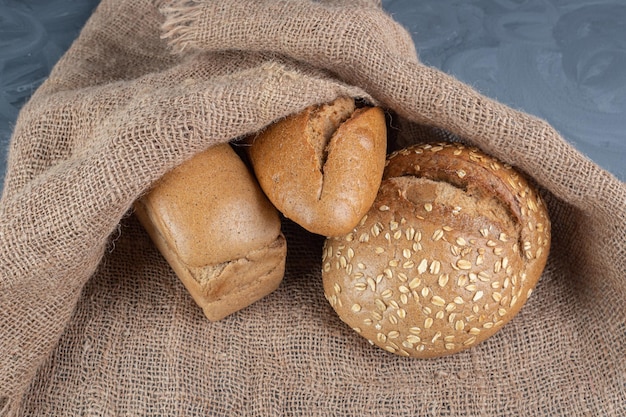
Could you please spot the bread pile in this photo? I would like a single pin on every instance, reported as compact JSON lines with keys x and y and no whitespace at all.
{"x":429,"y":251}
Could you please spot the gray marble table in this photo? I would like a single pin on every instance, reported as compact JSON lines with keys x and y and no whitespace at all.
{"x":561,"y":60}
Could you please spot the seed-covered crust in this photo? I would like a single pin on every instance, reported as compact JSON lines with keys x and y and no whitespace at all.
{"x":450,"y":251}
{"x":322,"y":167}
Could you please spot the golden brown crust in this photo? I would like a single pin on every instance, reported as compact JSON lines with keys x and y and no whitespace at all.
{"x":322,"y":167}
{"x":449,"y":252}
{"x":217,"y":230}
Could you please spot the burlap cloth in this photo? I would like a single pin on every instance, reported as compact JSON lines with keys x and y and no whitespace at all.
{"x":92,"y":319}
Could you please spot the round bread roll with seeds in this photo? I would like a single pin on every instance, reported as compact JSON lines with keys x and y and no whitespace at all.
{"x":449,"y":252}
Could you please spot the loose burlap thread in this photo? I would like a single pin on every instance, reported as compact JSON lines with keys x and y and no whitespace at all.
{"x":94,"y":322}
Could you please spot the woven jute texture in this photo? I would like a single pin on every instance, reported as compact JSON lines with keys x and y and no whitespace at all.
{"x":94,"y":322}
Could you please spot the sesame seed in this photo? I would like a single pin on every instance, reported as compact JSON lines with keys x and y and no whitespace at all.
{"x":464,"y":264}
{"x":435,"y":266}
{"x":415,"y":282}
{"x":415,"y":330}
{"x":469,"y":341}
{"x":443,"y":280}
{"x":438,"y":301}
{"x":462,"y":280}
{"x":421,"y":268}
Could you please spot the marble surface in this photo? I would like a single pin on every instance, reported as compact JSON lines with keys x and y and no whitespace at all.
{"x":561,"y":60}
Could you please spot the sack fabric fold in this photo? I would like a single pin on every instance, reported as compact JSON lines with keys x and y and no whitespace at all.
{"x":94,"y":322}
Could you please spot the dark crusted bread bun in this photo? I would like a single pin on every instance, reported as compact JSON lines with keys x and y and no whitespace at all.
{"x":450,"y":251}
{"x":322,"y":167}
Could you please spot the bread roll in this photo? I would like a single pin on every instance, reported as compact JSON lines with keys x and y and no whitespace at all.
{"x":217,"y":230}
{"x":322,"y":167}
{"x":449,"y":252}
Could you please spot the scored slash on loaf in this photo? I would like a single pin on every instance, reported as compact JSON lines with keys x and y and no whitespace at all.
{"x":448,"y":253}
